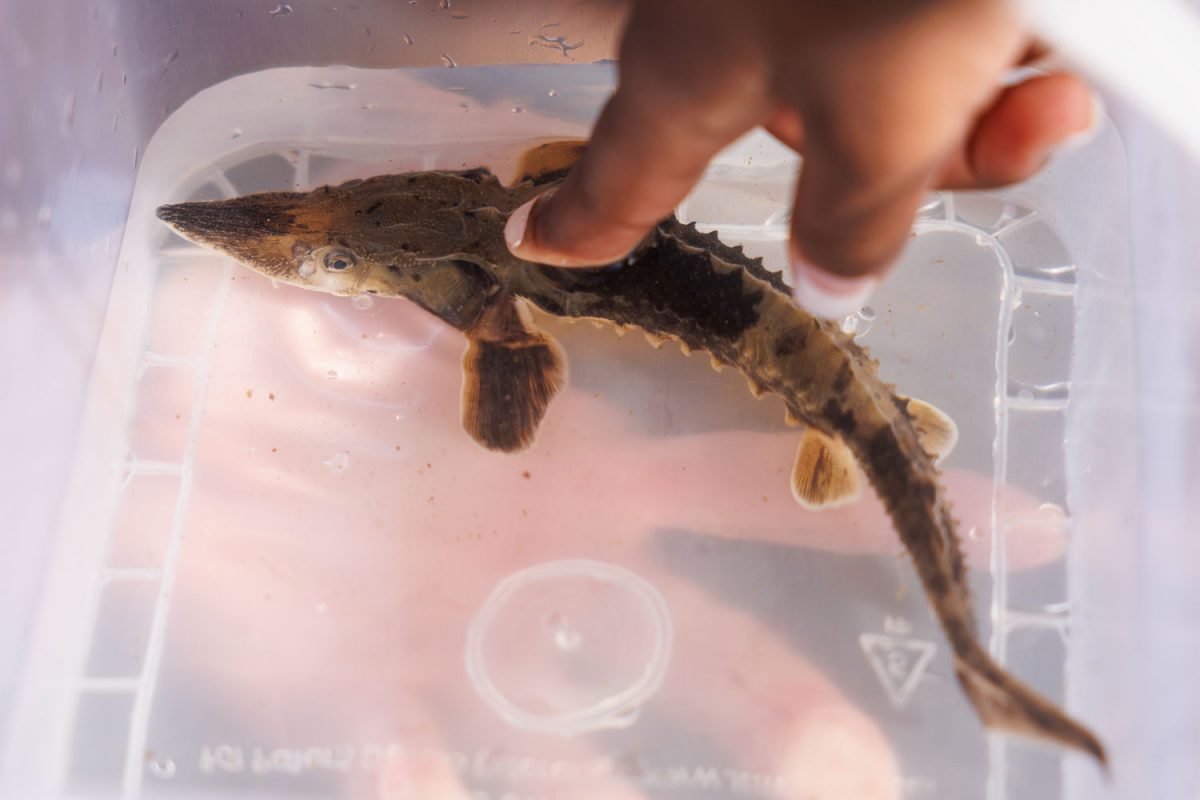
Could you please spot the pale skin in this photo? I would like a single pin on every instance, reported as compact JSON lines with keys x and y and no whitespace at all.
{"x":885,"y":100}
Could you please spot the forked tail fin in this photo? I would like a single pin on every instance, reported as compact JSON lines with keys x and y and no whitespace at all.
{"x":908,"y":483}
{"x":1006,"y":704}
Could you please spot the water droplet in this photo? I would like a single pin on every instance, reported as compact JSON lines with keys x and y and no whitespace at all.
{"x":567,"y":639}
{"x":280,"y":10}
{"x":867,"y":313}
{"x":322,"y":608}
{"x":370,"y":106}
{"x":518,"y":110}
{"x":170,"y":59}
{"x":363,"y":302}
{"x":332,"y":85}
{"x":161,"y":768}
{"x":1012,"y":334}
{"x":444,"y":4}
{"x":457,"y":15}
{"x":124,"y":78}
{"x":974,"y":533}
{"x":236,"y":133}
{"x":338,"y":462}
{"x":99,"y":81}
{"x":553,"y":93}
{"x":44,"y":214}
{"x":558,"y":42}
{"x":404,"y":37}
{"x":1025,"y":394}
{"x":307,"y":269}
{"x":448,"y":61}
{"x":331,"y":374}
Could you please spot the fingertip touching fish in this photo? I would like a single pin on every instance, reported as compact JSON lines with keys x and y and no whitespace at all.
{"x":437,"y":239}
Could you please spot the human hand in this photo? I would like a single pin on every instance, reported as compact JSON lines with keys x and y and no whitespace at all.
{"x":885,"y":101}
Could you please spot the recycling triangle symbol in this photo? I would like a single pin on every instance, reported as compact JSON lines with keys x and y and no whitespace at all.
{"x":898,"y":662}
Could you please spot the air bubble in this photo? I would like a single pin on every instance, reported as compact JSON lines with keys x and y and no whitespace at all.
{"x":338,"y":462}
{"x":164,"y":768}
{"x":331,"y":374}
{"x":867,"y":313}
{"x":553,"y":93}
{"x":449,"y":61}
{"x":44,"y":214}
{"x":404,"y":37}
{"x":322,"y":608}
{"x":567,"y":639}
{"x":281,"y":10}
{"x":363,"y":302}
{"x":518,"y":110}
{"x":236,"y":133}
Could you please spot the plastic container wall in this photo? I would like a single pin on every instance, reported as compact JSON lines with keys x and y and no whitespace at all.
{"x":1132,"y":404}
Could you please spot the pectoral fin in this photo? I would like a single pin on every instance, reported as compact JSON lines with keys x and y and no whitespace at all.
{"x":825,"y":473}
{"x":937,"y":431}
{"x":511,"y":371}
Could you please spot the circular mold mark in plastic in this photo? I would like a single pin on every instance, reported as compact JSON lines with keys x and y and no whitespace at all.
{"x":568,"y":647}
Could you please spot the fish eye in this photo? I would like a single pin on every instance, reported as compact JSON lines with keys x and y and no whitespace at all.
{"x":339,"y":260}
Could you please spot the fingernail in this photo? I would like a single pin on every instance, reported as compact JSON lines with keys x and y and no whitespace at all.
{"x":1086,"y":136}
{"x":824,"y":294}
{"x":518,"y":222}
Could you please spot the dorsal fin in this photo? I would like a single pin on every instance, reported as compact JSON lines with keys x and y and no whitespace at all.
{"x":549,"y":162}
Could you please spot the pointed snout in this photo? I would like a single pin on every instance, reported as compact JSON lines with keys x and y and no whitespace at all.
{"x":225,"y":222}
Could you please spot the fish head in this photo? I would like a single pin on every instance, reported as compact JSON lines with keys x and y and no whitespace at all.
{"x":413,"y":236}
{"x":339,"y":239}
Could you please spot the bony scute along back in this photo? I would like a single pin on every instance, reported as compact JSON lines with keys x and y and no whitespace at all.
{"x":436,"y":238}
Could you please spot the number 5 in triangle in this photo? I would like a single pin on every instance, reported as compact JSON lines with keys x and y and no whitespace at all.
{"x":898,"y":663}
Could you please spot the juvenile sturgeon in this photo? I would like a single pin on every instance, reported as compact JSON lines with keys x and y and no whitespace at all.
{"x":437,"y":239}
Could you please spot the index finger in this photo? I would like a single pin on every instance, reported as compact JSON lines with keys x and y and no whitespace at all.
{"x":651,"y":144}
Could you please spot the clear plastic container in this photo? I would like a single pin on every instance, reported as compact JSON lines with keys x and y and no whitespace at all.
{"x":281,"y":569}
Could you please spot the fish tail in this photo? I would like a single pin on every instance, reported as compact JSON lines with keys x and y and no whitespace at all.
{"x":907,"y":481}
{"x":1006,"y":704}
